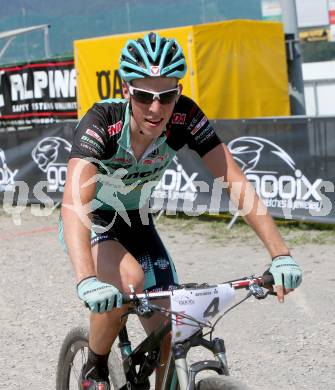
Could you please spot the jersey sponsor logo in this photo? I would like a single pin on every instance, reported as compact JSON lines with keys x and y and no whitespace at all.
{"x":155,"y":70}
{"x":7,"y":176}
{"x":162,"y":263}
{"x":88,"y":140}
{"x":205,"y":134}
{"x":154,"y":153}
{"x":145,"y":261}
{"x":291,"y":190}
{"x":90,"y":148}
{"x":137,"y":175}
{"x":121,"y":160}
{"x":115,"y":128}
{"x":51,"y":155}
{"x":199,"y":125}
{"x":155,"y":159}
{"x":178,"y":118}
{"x":100,"y":130}
{"x":94,"y":135}
{"x":192,"y":124}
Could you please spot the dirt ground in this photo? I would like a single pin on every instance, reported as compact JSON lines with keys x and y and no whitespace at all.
{"x":276,"y":346}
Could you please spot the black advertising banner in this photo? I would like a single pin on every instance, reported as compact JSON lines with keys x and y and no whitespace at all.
{"x":33,"y":163}
{"x":290,"y":162}
{"x":37,"y":93}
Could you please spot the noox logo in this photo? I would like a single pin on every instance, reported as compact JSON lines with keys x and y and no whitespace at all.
{"x":253,"y":154}
{"x":176,"y":183}
{"x":249,"y":152}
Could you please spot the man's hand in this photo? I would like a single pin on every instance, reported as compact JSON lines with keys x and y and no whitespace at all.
{"x":287,"y":275}
{"x":99,"y":296}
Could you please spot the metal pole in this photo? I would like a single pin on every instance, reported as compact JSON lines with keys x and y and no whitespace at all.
{"x":294,"y":60}
{"x":46,"y":41}
{"x":233,"y":220}
{"x":2,"y":51}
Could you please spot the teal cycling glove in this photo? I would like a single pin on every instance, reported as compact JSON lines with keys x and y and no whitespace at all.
{"x":99,"y":296}
{"x":286,"y":272}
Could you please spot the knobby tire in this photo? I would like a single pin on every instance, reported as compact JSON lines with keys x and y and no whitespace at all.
{"x":76,"y":342}
{"x":220,"y":382}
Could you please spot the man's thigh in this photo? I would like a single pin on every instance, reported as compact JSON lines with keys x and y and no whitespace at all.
{"x":115,"y":265}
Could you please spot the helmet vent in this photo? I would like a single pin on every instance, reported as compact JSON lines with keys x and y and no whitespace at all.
{"x":141,"y":55}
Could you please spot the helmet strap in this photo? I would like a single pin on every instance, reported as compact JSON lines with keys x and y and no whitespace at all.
{"x":131,"y":112}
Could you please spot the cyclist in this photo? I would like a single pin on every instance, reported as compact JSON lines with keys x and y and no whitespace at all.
{"x":120,"y":150}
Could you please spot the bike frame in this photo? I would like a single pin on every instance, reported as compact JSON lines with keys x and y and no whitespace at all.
{"x":177,"y":374}
{"x":146,"y":356}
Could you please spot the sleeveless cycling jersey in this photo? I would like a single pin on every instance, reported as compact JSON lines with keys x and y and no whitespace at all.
{"x":122,"y":182}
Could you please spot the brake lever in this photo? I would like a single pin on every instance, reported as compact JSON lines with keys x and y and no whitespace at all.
{"x":144,"y":309}
{"x":257,"y":291}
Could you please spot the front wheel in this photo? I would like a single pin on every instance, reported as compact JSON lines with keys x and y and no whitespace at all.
{"x":220,"y":382}
{"x":72,"y":357}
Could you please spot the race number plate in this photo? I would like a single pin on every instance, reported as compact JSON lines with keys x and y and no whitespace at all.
{"x":204,"y":304}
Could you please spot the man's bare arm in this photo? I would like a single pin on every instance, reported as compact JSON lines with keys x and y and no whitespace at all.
{"x":75,"y":212}
{"x":221,"y":164}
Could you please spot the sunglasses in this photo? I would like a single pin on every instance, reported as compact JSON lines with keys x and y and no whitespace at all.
{"x":147,"y":97}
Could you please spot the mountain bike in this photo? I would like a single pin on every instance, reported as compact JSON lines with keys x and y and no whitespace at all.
{"x":195,"y":310}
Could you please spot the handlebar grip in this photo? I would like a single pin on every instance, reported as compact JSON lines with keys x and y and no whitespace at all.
{"x":125,"y":298}
{"x":268,"y":279}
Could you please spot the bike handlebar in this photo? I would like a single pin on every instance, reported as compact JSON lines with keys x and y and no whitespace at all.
{"x":262,"y":281}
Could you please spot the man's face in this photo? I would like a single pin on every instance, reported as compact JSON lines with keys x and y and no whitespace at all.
{"x":151,"y":118}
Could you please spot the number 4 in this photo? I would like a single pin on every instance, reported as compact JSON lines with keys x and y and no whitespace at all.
{"x":213,"y":308}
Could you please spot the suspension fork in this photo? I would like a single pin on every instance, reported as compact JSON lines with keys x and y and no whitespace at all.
{"x":176,"y":372}
{"x":179,"y":353}
{"x":177,"y":365}
{"x":217,"y":347}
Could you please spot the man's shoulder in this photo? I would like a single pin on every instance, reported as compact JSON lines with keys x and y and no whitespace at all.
{"x":111,"y":106}
{"x":185,"y":102}
{"x":185,"y":111}
{"x":110,"y":112}
{"x":98,"y":132}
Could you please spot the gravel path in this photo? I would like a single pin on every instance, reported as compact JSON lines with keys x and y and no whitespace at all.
{"x":277,"y":346}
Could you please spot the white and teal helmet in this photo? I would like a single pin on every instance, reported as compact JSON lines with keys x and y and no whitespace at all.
{"x":152,"y":56}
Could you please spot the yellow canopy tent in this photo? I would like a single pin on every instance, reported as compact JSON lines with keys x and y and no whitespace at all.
{"x":236,"y":69}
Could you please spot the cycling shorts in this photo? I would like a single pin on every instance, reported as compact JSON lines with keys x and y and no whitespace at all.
{"x":141,"y":240}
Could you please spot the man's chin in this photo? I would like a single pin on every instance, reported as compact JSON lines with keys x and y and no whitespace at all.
{"x":152,"y":132}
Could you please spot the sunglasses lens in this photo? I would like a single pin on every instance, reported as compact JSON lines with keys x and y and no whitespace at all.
{"x":148,"y":97}
{"x":168,"y":97}
{"x":142,"y":96}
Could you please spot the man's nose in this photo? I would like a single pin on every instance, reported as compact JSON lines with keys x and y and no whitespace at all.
{"x":156,"y":105}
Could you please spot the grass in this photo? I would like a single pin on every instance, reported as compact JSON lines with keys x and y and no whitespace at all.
{"x":215,"y":228}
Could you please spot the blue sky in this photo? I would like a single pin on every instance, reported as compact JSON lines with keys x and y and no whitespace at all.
{"x":76,"y":19}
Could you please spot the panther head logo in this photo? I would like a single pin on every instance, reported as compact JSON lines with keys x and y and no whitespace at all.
{"x":256,"y":154}
{"x":51,"y":151}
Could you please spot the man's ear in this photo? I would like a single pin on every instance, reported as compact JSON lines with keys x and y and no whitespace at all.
{"x":125,"y":90}
{"x":180,"y":91}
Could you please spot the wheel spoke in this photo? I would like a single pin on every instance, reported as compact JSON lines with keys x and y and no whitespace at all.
{"x":79,"y":359}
